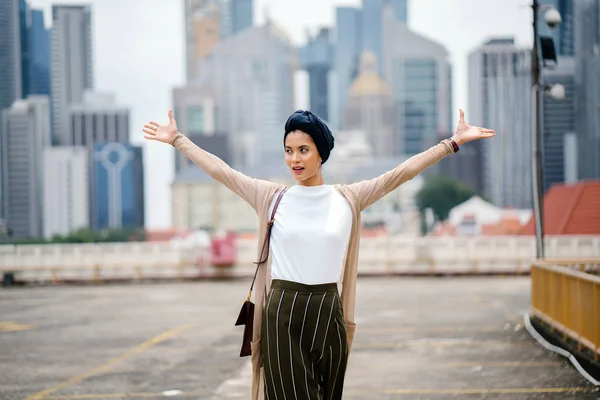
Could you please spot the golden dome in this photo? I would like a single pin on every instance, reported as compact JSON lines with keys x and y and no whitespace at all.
{"x":368,"y":82}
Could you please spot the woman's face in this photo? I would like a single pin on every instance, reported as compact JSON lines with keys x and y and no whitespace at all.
{"x":302,"y":158}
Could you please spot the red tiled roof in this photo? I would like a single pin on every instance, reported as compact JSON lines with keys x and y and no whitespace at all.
{"x":570,"y":210}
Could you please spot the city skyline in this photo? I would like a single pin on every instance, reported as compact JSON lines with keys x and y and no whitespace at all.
{"x":155,"y":57}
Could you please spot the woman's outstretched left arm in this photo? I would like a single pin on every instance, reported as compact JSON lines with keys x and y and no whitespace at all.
{"x":369,"y":191}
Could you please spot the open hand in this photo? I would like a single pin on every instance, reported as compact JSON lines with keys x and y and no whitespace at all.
{"x":466,"y":133}
{"x":162,"y":132}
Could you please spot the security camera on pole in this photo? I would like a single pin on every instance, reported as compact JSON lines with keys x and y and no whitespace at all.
{"x":546,"y":45}
{"x":552,"y":17}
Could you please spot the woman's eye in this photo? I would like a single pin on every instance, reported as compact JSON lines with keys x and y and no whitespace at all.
{"x":304,"y":150}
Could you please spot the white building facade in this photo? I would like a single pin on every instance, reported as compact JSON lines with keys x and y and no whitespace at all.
{"x":66,"y":190}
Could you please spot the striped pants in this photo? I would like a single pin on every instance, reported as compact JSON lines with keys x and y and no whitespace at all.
{"x":304,"y":343}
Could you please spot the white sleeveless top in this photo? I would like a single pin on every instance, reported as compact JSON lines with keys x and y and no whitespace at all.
{"x":310,"y":235}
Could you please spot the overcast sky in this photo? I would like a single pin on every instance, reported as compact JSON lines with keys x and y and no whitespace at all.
{"x":138,"y":55}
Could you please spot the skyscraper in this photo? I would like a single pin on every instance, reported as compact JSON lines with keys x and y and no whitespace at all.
{"x":202,"y":32}
{"x":500,"y":98}
{"x":71,"y":62}
{"x":241,"y":15}
{"x":373,"y":12}
{"x":96,"y":118}
{"x":316,"y":57}
{"x":400,"y":10}
{"x":25,"y":28}
{"x":348,"y":46}
{"x":418,"y":71}
{"x":587,"y":82}
{"x":10,"y":51}
{"x":372,"y":29}
{"x":119,"y":187}
{"x":25,"y":132}
{"x":195,"y":109}
{"x":22,"y":46}
{"x":10,"y":64}
{"x":558,"y":120}
{"x":236,"y":16}
{"x":39,"y":42}
{"x":253,"y":74}
{"x":358,"y":30}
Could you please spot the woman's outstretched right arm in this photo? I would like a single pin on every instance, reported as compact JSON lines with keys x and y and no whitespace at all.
{"x":250,"y":189}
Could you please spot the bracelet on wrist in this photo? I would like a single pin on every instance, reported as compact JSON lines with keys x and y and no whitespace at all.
{"x":454,"y":145}
{"x":179,"y":134}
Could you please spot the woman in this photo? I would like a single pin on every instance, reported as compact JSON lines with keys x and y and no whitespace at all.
{"x":304,"y":330}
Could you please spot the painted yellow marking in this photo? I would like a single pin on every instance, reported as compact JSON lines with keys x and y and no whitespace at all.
{"x":506,"y":364}
{"x":432,"y":329}
{"x":9,"y":326}
{"x":471,"y":364}
{"x":182,"y":368}
{"x":103,"y":396}
{"x":491,"y":391}
{"x":437,"y":343}
{"x":137,"y":349}
{"x":91,"y":396}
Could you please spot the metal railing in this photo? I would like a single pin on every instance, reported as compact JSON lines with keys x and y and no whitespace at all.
{"x":587,"y":265}
{"x":568,"y":300}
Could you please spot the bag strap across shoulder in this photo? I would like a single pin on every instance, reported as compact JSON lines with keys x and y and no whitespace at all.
{"x":266,"y":241}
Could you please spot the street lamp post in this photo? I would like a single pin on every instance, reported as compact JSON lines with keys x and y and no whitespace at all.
{"x":536,"y":146}
{"x":552,"y":18}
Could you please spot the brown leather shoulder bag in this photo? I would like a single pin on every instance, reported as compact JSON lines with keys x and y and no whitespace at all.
{"x":246,"y":316}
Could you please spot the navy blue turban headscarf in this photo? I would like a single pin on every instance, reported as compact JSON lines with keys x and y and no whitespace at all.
{"x":309,"y":123}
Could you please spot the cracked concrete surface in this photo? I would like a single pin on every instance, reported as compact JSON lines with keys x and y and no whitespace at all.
{"x":417,"y":338}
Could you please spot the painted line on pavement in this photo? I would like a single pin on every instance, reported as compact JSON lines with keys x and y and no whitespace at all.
{"x":436,"y":343}
{"x":91,"y":396}
{"x":137,"y":349}
{"x":473,"y":364}
{"x":10,"y":326}
{"x":492,"y":391}
{"x":432,"y":329}
{"x":506,"y":364}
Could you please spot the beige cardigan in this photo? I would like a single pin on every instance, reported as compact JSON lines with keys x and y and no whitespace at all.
{"x":260,"y":193}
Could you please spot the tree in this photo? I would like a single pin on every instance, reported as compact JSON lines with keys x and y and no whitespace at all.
{"x":83,"y":235}
{"x":442,"y":194}
{"x":86,"y":235}
{"x":123,"y":235}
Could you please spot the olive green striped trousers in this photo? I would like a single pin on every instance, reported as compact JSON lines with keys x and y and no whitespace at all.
{"x":304,"y":343}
